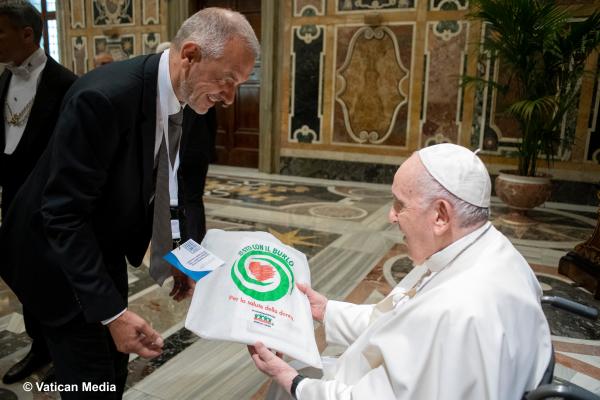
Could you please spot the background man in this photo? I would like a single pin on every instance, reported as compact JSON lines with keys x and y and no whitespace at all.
{"x":31,"y":90}
{"x":99,"y":190}
{"x":466,"y":323}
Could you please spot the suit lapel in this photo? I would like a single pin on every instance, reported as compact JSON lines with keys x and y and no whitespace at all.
{"x":148,"y":126}
{"x":4,"y":81}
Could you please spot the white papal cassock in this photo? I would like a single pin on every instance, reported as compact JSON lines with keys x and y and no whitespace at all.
{"x":474,"y":330}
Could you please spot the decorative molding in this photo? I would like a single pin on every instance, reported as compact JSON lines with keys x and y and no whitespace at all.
{"x":437,"y":139}
{"x":79,"y":54}
{"x":308,"y":8}
{"x":448,"y":5}
{"x":149,"y":42}
{"x":77,"y":14}
{"x":349,"y":6}
{"x":113,"y":12}
{"x":357,"y":102}
{"x":306,"y":91}
{"x":150,"y":12}
{"x":446,"y":30}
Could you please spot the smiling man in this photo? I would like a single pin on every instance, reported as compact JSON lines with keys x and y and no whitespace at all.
{"x":465,"y":324}
{"x":98,"y":194}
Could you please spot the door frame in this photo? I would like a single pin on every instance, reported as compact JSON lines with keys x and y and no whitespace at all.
{"x":270,"y":83}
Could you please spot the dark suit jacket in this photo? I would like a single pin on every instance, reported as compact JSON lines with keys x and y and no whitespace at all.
{"x":86,"y":206}
{"x":197,"y":152}
{"x":55,"y":80}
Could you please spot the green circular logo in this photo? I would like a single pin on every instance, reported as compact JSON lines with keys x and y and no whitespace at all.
{"x":263,"y":275}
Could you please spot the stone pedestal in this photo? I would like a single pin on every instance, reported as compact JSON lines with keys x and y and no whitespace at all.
{"x":582,"y":264}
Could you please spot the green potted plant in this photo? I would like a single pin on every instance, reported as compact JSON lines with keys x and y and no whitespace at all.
{"x":542,"y":51}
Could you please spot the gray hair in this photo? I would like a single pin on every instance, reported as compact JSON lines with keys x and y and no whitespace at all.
{"x":211,"y":29}
{"x":22,"y":14}
{"x":467,"y":213}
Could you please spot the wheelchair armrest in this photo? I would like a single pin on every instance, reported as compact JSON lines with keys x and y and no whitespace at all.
{"x":571,"y":306}
{"x":566,"y":392}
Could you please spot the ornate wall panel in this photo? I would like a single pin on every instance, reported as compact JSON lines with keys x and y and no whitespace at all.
{"x":77,"y":13}
{"x":124,"y":28}
{"x":374,"y":5}
{"x":308,"y":8}
{"x":306,"y":113}
{"x":151,"y":12}
{"x":79,"y":54}
{"x":377,"y":79}
{"x":445,"y":61}
{"x":112,"y":12}
{"x":372,"y":79}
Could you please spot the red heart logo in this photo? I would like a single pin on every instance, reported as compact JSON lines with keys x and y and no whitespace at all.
{"x":262,"y":272}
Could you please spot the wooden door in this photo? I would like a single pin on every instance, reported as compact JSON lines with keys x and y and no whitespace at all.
{"x":238,"y":130}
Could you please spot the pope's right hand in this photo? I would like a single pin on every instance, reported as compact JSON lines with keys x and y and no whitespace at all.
{"x":318,"y":302}
{"x":132,"y":334}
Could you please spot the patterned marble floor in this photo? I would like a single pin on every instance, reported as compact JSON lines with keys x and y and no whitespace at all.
{"x":354,"y":254}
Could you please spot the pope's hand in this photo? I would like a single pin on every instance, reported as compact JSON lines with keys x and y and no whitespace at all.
{"x":272,"y":365}
{"x":132,"y":334}
{"x":317,"y":301}
{"x":183,"y":286}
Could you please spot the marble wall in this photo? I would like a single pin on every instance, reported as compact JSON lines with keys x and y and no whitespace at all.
{"x":370,"y":81}
{"x":123,"y":28}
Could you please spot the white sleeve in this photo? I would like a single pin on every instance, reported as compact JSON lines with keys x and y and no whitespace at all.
{"x":427,"y":355}
{"x":108,"y":321}
{"x":344,"y":322}
{"x":374,"y":385}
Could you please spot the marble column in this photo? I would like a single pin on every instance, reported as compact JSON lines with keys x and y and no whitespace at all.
{"x":178,"y":11}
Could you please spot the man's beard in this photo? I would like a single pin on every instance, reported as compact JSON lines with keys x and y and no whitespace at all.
{"x":186,"y":90}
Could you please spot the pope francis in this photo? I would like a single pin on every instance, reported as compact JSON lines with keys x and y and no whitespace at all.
{"x":465,"y":324}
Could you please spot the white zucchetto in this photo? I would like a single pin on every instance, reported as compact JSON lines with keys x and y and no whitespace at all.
{"x":459,"y":171}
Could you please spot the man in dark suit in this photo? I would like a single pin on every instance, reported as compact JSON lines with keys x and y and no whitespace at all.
{"x":31,"y":90}
{"x":90,"y":201}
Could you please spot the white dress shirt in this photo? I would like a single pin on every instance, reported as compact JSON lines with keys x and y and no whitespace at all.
{"x":21,"y":90}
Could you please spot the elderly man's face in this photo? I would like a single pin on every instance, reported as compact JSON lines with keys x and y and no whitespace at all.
{"x":413,"y":218}
{"x":210,"y":81}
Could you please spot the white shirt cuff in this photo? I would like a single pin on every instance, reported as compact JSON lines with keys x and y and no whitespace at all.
{"x":299,"y":387}
{"x":108,"y":321}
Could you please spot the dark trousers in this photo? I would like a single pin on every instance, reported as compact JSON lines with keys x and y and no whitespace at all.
{"x":34,"y":331}
{"x":84,"y":352}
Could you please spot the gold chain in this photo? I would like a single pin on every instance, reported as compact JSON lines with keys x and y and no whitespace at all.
{"x":17,"y":119}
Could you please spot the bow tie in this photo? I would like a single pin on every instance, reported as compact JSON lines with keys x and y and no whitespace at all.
{"x":21,"y":71}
